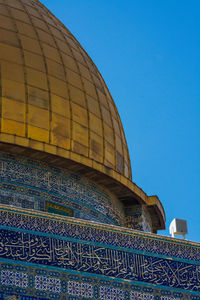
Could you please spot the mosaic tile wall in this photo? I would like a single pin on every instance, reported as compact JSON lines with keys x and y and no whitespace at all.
{"x":137,"y":217}
{"x":44,"y":284}
{"x":32,"y":184}
{"x":50,"y":258}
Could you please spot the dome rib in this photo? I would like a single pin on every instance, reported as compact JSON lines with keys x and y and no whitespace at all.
{"x":65,"y":73}
{"x":44,"y":59}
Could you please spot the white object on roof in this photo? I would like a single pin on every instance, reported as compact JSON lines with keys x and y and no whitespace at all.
{"x":178,"y":227}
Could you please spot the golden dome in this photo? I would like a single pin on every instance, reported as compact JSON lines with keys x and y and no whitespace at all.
{"x":52,"y":92}
{"x":54,"y":100}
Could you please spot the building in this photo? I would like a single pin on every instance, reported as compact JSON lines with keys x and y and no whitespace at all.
{"x":73,"y":225}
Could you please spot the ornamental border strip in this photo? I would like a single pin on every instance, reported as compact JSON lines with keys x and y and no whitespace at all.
{"x":112,"y":215}
{"x":98,"y":233}
{"x":36,"y":163}
{"x":59,"y":200}
{"x":41,"y":165}
{"x":126,"y":290}
{"x":37,"y":249}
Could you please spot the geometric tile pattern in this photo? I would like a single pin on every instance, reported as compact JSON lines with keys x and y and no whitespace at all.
{"x":81,"y":289}
{"x":59,"y":285}
{"x":14,"y":278}
{"x":31,"y":184}
{"x":98,"y":233}
{"x":65,"y":258}
{"x":50,"y":284}
{"x":95,"y":259}
{"x":110,"y":293}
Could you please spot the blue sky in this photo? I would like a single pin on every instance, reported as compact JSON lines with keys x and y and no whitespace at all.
{"x":148,"y":52}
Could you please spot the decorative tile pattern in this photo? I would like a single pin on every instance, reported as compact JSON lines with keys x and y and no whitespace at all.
{"x":14,"y":278}
{"x":7,"y":277}
{"x":49,"y":284}
{"x":95,"y":259}
{"x":74,"y":288}
{"x":80,"y":289}
{"x":96,"y":233}
{"x":138,"y":218}
{"x":30,"y":184}
{"x":110,"y":293}
{"x":68,"y":259}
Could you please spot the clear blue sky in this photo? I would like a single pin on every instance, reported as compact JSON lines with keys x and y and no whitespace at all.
{"x":148,"y":52}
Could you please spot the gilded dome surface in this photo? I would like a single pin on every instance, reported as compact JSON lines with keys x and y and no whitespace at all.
{"x":53,"y":98}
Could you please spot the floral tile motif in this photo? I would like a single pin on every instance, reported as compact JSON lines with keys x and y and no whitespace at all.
{"x":11,"y":278}
{"x":110,"y":293}
{"x":21,"y":279}
{"x":80,"y":289}
{"x":73,"y":288}
{"x":7,"y":277}
{"x":50,"y":284}
{"x":86,"y":290}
